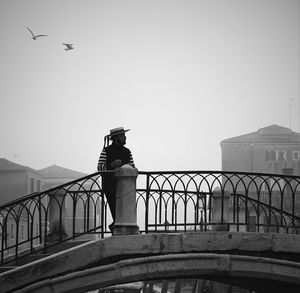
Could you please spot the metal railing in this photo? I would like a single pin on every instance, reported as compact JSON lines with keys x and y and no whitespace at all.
{"x":200,"y":200}
{"x":166,"y":202}
{"x":35,"y":222}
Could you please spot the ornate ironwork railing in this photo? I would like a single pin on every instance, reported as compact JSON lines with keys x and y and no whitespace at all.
{"x":204,"y":200}
{"x":33,"y":223}
{"x":166,"y":202}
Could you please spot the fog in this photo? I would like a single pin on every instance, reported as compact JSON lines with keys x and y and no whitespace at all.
{"x":182,"y":75}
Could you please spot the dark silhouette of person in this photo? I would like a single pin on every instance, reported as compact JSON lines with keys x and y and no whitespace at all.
{"x":113,"y":155}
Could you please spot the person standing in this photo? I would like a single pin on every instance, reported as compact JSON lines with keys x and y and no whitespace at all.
{"x":113,"y":155}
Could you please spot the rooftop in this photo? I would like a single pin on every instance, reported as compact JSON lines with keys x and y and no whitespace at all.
{"x":269,"y":134}
{"x":6,"y":165}
{"x":57,"y":172}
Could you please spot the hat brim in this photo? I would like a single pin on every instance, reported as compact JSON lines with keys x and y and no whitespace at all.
{"x":118,"y":132}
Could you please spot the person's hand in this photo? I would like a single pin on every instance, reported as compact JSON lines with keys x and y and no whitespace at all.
{"x":116,"y":163}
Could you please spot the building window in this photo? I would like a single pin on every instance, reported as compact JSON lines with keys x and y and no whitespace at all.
{"x":38,"y":185}
{"x":296,"y":156}
{"x":280,"y":155}
{"x":270,"y":155}
{"x":31,"y":185}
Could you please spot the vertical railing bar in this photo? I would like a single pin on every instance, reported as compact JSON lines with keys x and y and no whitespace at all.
{"x":3,"y":238}
{"x":177,"y":288}
{"x":94,"y":216}
{"x":237,"y":214}
{"x":88,"y":210}
{"x":40,"y":218}
{"x":210,"y":207}
{"x":269,"y":211}
{"x":197,"y":219}
{"x":147,"y":203}
{"x":206,"y":215}
{"x":160,"y":206}
{"x":165,"y":284}
{"x":185,"y":213}
{"x":258,"y":211}
{"x":31,"y":234}
{"x":74,"y":202}
{"x":17,"y":239}
{"x":293,"y":203}
{"x":173,"y":207}
{"x":102,"y":213}
{"x":175,"y":214}
{"x":281,"y":206}
{"x":246,"y":209}
{"x":28,"y":224}
{"x":222,"y":205}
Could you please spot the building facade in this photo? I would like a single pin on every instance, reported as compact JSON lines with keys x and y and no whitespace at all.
{"x":17,"y":180}
{"x":268,"y":150}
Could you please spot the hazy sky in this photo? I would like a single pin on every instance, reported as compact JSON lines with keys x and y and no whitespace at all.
{"x":182,"y":75}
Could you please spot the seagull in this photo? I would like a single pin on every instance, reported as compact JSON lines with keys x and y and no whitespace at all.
{"x":68,"y":47}
{"x":35,"y":36}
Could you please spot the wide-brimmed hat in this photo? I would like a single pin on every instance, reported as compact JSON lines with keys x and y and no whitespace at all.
{"x":113,"y":132}
{"x":116,"y":131}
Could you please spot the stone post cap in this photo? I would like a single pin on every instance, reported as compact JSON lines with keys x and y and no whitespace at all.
{"x":126,"y":171}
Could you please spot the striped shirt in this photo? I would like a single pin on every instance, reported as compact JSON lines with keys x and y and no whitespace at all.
{"x":111,"y":153}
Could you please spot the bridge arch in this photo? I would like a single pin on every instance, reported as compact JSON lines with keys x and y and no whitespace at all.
{"x":231,"y":257}
{"x":234,"y":269}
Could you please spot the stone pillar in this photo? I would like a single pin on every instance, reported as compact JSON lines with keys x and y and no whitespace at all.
{"x":220,"y":223}
{"x":57,"y":216}
{"x":126,"y":217}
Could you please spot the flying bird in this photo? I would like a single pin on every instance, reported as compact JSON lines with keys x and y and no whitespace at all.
{"x":35,"y":36}
{"x":68,"y":47}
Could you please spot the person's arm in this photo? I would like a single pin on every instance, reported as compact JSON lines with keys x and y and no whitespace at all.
{"x":102,"y":161}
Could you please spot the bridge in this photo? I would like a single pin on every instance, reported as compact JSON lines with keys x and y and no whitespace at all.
{"x":230,"y":227}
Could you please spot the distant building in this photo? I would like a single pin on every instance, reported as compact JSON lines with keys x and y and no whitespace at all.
{"x":268,"y":150}
{"x":273,"y":150}
{"x":55,"y":175}
{"x":17,"y":180}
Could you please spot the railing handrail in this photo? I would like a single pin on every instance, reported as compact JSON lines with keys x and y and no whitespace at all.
{"x":219,"y":172}
{"x":267,"y":205}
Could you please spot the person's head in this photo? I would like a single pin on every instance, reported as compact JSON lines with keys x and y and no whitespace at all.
{"x":117,"y":135}
{"x":119,"y":139}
